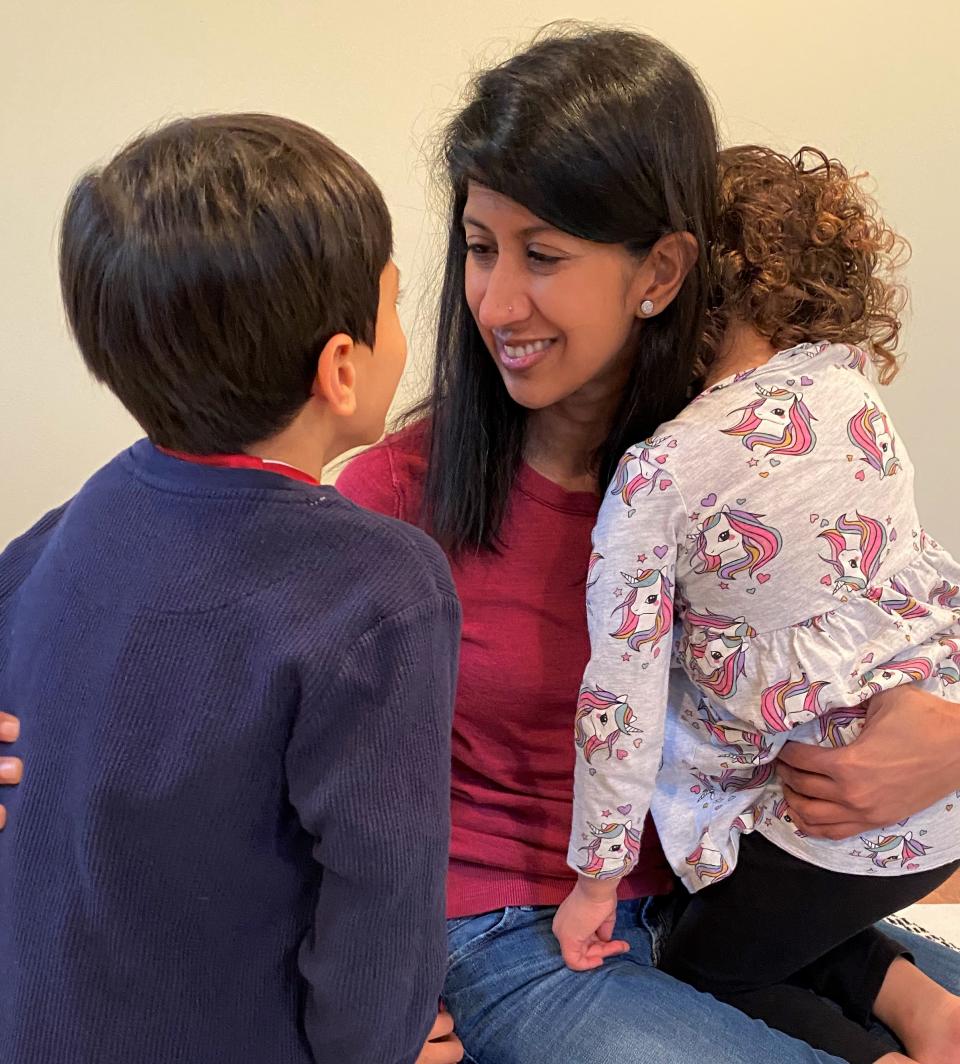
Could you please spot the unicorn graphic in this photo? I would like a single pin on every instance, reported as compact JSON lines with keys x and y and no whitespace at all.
{"x":730,"y":542}
{"x":869,"y":432}
{"x":635,"y":473}
{"x":949,"y":670}
{"x":782,"y":812}
{"x":896,"y":599}
{"x":747,"y":820}
{"x":946,"y":594}
{"x":710,"y":865}
{"x":704,"y":787}
{"x":601,"y":719}
{"x":593,"y":568}
{"x":748,"y":747}
{"x":790,"y":703}
{"x":887,"y":849}
{"x":777,"y":421}
{"x":841,"y":726}
{"x":894,"y":673}
{"x":858,"y":359}
{"x":612,"y":851}
{"x":713,"y":650}
{"x":646,"y":613}
{"x":731,"y":780}
{"x":855,"y":545}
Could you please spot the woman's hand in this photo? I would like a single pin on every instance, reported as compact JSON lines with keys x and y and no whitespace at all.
{"x":442,"y":1045}
{"x":11,"y":768}
{"x":905,"y":759}
{"x":584,"y":923}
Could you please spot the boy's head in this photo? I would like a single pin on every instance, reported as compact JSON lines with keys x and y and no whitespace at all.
{"x":223,"y":272}
{"x":802,"y":253}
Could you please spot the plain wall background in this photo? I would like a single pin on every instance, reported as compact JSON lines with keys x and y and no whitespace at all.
{"x":872,"y":83}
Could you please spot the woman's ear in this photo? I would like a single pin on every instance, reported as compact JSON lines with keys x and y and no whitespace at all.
{"x":665,"y":268}
{"x":335,"y":380}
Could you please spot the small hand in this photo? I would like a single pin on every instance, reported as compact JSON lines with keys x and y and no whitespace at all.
{"x":584,"y":923}
{"x":11,"y":768}
{"x":442,"y":1045}
{"x":905,"y":759}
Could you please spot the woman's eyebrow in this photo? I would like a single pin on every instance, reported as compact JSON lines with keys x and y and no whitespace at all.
{"x":530,"y":230}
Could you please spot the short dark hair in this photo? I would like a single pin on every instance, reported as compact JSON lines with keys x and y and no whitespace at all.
{"x":606,"y":134}
{"x":206,"y":265}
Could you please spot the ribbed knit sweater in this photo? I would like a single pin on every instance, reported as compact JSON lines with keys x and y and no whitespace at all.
{"x":230,"y":843}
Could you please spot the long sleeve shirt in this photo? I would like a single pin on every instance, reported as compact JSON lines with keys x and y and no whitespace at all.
{"x":231,"y":839}
{"x":774,"y":521}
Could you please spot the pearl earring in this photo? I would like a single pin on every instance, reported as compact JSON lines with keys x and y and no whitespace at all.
{"x":646,"y":307}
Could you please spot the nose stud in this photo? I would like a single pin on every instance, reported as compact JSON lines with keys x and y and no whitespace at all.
{"x":509,"y":310}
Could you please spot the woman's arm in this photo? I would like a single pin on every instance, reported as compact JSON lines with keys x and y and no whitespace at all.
{"x":11,"y":768}
{"x":905,"y":759}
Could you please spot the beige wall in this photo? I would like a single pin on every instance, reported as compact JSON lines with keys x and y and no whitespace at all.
{"x":876,"y":84}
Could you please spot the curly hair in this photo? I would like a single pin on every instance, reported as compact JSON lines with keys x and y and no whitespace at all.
{"x":802,"y":253}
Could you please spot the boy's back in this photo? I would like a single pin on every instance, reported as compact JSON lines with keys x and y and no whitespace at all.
{"x":229,"y":680}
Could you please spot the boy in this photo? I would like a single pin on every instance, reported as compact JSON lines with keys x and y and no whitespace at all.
{"x":236,"y":686}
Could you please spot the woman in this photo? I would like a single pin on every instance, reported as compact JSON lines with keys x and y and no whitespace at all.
{"x":582,"y":178}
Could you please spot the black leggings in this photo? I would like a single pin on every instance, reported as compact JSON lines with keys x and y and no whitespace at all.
{"x":779,"y":935}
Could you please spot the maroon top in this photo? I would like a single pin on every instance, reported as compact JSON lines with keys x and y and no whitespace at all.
{"x":524,"y":649}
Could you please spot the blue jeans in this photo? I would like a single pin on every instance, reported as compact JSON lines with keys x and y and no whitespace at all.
{"x":514,"y":1001}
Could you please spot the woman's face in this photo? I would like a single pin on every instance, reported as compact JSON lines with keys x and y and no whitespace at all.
{"x":556,"y":312}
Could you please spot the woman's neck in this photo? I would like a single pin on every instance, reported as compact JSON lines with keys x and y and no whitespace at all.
{"x":561,"y":441}
{"x":742,"y":348}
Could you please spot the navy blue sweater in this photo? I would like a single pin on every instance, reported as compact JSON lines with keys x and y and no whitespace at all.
{"x":230,"y":843}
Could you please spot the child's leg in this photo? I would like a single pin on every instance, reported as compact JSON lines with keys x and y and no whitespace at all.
{"x":773,"y":922}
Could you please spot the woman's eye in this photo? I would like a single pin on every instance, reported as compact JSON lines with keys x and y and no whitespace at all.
{"x":543,"y":260}
{"x":479,"y":251}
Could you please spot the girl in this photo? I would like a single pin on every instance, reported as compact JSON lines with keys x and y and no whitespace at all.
{"x":774,"y":519}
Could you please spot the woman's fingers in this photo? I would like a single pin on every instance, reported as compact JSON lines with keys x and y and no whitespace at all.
{"x":11,"y":770}
{"x":442,"y":1026}
{"x":9,"y":728}
{"x":809,"y":784}
{"x":442,"y":1045}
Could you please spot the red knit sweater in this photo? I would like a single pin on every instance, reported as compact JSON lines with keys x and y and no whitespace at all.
{"x":524,"y":649}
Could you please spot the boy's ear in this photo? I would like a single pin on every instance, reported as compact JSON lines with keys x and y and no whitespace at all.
{"x":336,"y":377}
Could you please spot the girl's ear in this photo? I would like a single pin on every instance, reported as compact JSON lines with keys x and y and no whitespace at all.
{"x":335,"y":379}
{"x":666,"y":267}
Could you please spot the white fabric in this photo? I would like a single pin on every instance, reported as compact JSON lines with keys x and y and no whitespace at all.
{"x":778,"y":511}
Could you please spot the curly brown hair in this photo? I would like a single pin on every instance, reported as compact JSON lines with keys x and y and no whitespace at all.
{"x":802,"y":253}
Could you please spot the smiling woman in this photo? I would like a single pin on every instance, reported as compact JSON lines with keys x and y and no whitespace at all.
{"x":582,"y":197}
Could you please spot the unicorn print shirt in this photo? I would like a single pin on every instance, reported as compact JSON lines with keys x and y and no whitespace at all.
{"x":774,"y":521}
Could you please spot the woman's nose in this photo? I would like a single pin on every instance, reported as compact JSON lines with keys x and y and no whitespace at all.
{"x":505,"y":302}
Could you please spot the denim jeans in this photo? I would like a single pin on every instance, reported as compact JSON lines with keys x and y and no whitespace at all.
{"x":514,"y":1001}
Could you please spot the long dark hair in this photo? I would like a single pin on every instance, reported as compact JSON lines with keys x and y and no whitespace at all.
{"x":607,"y":135}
